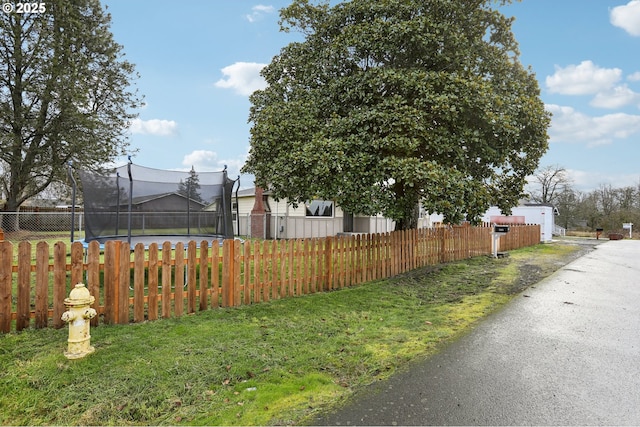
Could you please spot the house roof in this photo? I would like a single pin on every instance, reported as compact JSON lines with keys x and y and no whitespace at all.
{"x":250,"y":192}
{"x":151,"y":197}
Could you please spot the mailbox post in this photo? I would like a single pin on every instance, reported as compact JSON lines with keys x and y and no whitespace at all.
{"x":628,"y":226}
{"x":498,"y":231}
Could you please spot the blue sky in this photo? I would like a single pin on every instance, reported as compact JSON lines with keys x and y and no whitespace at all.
{"x":199,"y":60}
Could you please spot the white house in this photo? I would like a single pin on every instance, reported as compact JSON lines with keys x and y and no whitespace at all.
{"x":317,"y":218}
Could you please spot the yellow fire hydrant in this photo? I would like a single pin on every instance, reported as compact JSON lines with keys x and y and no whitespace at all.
{"x":77,"y":316}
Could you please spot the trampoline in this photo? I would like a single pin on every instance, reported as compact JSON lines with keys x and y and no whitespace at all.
{"x":137,"y":204}
{"x":159,"y":239}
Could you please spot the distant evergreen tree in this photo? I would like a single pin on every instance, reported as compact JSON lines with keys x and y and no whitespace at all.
{"x":191,"y":187}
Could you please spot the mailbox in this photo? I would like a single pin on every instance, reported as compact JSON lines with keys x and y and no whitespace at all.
{"x":500,"y":228}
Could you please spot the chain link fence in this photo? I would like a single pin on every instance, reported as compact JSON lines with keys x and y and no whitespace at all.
{"x":36,"y":225}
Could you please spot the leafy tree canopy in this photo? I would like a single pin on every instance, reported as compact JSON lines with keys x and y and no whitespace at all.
{"x":64,"y":94}
{"x":390,"y":102}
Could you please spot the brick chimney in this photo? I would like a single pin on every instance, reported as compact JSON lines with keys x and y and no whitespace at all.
{"x":260,"y":216}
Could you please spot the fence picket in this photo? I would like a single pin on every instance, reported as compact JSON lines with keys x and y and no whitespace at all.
{"x":42,"y":285}
{"x":257,"y":283}
{"x":138,"y":283}
{"x":236,"y":272}
{"x":77,"y":267}
{"x":203,"y":280}
{"x":166,"y":280}
{"x":178,"y":299}
{"x":215,"y":276}
{"x":283,"y":271}
{"x":265,"y":267}
{"x":59,"y":282}
{"x":298,"y":262}
{"x":93,"y":276}
{"x":152,"y":282}
{"x":6,"y":261}
{"x":124,"y":281}
{"x":274,"y":269}
{"x":109,"y":282}
{"x":227,"y":267}
{"x":191,"y":276}
{"x":24,"y":288}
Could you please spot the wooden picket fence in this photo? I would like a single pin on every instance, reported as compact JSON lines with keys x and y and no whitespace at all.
{"x":138,"y":284}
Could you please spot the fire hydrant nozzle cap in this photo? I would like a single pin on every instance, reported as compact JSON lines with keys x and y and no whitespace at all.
{"x":79,"y":296}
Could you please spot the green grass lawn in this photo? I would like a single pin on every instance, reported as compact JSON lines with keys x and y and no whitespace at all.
{"x":276,"y":363}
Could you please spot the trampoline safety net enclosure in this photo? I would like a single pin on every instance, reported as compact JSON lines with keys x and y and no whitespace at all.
{"x":132,"y":201}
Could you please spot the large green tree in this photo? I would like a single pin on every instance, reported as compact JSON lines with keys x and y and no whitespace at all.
{"x":387,"y":103}
{"x":65,"y":93}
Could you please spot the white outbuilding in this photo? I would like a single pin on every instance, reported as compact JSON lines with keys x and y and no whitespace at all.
{"x":544,"y":215}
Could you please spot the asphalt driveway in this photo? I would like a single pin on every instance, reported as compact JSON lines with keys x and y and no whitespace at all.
{"x":566,"y":352}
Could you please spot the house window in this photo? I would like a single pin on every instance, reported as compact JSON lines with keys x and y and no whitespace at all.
{"x":319,"y":208}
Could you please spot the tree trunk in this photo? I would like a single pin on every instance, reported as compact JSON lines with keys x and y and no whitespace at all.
{"x":9,"y":216}
{"x":410,"y":219}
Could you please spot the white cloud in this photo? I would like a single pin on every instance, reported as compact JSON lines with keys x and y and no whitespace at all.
{"x":154,"y":127}
{"x":243,"y":77}
{"x":257,"y":12}
{"x":617,"y":97}
{"x":635,"y":77}
{"x":568,"y":125}
{"x":206,"y":161}
{"x":586,"y":78}
{"x":589,"y":180}
{"x":627,"y":17}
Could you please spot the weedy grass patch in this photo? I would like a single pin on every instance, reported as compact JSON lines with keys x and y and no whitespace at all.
{"x":276,"y":363}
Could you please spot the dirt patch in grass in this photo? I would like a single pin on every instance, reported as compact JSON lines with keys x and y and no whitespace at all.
{"x":446,"y":283}
{"x":531,"y":270}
